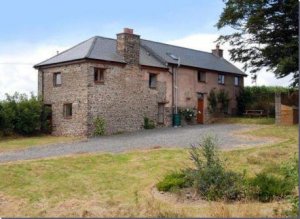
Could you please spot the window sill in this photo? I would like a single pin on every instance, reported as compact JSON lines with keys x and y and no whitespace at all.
{"x":58,"y":85}
{"x":69,"y":117}
{"x":221,"y":84}
{"x":99,"y":82}
{"x":153,"y":88}
{"x":203,"y":82}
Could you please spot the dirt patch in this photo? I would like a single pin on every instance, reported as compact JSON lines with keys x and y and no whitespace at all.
{"x":11,"y":206}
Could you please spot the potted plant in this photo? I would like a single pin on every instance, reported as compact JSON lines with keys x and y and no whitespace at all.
{"x":188,"y":114}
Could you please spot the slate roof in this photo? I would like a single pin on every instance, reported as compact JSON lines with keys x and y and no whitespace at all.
{"x":152,"y":54}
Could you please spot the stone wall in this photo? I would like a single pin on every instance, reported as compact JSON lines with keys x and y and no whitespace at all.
{"x":72,"y":90}
{"x":124,"y":99}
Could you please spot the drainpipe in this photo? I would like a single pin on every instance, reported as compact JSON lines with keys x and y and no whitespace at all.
{"x":173,"y":90}
{"x":176,"y":86}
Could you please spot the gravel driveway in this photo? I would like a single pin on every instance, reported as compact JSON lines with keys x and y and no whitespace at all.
{"x":165,"y":137}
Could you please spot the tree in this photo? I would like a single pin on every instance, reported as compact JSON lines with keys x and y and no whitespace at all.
{"x":265,"y":35}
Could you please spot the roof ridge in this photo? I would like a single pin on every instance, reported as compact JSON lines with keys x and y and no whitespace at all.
{"x":91,"y":48}
{"x":160,"y":43}
{"x":105,"y":38}
{"x":63,"y":51}
{"x":177,"y":46}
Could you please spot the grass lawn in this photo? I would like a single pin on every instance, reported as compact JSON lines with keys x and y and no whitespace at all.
{"x":247,"y":120}
{"x":106,"y":185}
{"x":15,"y":143}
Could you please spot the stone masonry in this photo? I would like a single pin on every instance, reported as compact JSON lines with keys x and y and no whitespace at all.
{"x":124,"y":98}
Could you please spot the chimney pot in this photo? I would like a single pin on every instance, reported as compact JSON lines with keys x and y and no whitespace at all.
{"x":217,"y":51}
{"x":128,"y":30}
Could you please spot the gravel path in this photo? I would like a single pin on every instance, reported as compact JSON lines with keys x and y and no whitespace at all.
{"x":165,"y":137}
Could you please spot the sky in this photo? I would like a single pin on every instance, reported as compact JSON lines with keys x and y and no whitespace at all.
{"x":32,"y":31}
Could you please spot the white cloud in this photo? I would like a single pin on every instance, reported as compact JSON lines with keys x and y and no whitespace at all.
{"x":205,"y":42}
{"x":16,"y":66}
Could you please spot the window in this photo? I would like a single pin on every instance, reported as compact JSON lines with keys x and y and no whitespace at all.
{"x":221,"y":79}
{"x":201,"y":76}
{"x":99,"y":75}
{"x":68,"y":110}
{"x":161,"y":113}
{"x":237,"y":81}
{"x":152,"y":80}
{"x":57,"y":79}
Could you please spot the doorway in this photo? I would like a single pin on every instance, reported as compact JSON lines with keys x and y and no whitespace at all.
{"x":200,"y":112}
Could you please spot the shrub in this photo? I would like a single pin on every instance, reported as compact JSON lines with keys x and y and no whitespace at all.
{"x":188,"y":113}
{"x":212,"y":101}
{"x":148,"y":123}
{"x":99,"y":124}
{"x":266,"y":187}
{"x":20,"y":114}
{"x":290,"y":170}
{"x":258,"y":97}
{"x":172,"y":181}
{"x":45,"y":122}
{"x":223,"y":99}
{"x":210,"y":178}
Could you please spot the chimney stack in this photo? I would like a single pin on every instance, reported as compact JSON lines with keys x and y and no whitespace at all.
{"x":217,"y":51}
{"x":128,"y":45}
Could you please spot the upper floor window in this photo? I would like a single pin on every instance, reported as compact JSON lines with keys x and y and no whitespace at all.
{"x":201,"y":76}
{"x":68,"y":110}
{"x":237,"y":81}
{"x":221,"y":79}
{"x":99,"y":75}
{"x":57,"y":79}
{"x":152,"y":80}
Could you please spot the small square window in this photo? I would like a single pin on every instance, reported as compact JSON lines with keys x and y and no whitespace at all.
{"x":152,"y":80}
{"x":68,"y":110}
{"x":201,"y":76}
{"x":237,"y":81}
{"x":99,"y":75}
{"x":57,"y":79}
{"x":221,"y":79}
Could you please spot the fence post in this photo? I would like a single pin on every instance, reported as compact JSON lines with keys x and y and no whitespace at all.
{"x":277,"y":108}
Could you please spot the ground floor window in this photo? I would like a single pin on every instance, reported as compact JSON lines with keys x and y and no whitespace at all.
{"x":161,"y":113}
{"x":68,"y":110}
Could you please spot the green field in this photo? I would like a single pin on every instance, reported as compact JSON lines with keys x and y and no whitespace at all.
{"x":105,"y":185}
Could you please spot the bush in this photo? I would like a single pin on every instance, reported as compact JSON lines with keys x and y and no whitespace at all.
{"x":223,"y":99}
{"x":46,"y":126}
{"x":173,"y":181}
{"x":266,"y":187}
{"x":258,"y":97}
{"x":99,"y":124}
{"x":148,"y":123}
{"x":21,"y":115}
{"x":188,"y":113}
{"x":211,"y":179}
{"x":212,"y":101}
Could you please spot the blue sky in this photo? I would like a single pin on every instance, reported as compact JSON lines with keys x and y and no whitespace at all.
{"x":58,"y":20}
{"x":32,"y":31}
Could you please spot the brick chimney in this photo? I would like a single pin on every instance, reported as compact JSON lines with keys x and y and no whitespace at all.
{"x":128,"y":45}
{"x":217,"y":51}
